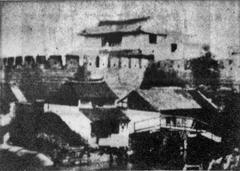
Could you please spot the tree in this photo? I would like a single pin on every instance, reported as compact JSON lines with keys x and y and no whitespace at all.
{"x":82,"y":73}
{"x":155,"y":76}
{"x":205,"y":70}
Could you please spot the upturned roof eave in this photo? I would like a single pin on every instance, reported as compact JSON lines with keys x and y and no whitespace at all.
{"x":140,"y":31}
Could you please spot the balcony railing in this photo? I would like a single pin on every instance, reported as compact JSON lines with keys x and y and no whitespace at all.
{"x":156,"y":123}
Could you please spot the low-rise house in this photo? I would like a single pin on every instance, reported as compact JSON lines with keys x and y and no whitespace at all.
{"x":165,"y":121}
{"x":88,"y":107}
{"x":178,"y":109}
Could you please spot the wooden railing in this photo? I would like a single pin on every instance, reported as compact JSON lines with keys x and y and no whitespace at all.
{"x":156,"y":123}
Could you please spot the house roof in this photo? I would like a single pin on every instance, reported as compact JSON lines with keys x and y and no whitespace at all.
{"x":72,"y":91}
{"x":136,"y":25}
{"x":108,"y":29}
{"x":105,"y":114}
{"x":6,"y":97}
{"x":39,"y":91}
{"x":92,"y":90}
{"x":120,"y":22}
{"x":168,"y":98}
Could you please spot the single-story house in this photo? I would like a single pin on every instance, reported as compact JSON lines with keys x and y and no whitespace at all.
{"x":169,"y":101}
{"x":178,"y":109}
{"x":88,"y":107}
{"x":98,"y":126}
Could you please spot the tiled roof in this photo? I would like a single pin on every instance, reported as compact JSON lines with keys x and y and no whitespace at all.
{"x":99,"y":30}
{"x":39,"y":91}
{"x":168,"y":98}
{"x":71,"y":92}
{"x":137,"y":25}
{"x":120,"y":22}
{"x":92,"y":90}
{"x":105,"y":114}
{"x":6,"y":96}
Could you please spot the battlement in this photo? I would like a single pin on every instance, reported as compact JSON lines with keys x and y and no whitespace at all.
{"x":102,"y":65}
{"x":48,"y":62}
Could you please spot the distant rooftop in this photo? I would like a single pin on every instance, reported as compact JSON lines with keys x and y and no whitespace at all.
{"x":128,"y":26}
{"x":121,"y":22}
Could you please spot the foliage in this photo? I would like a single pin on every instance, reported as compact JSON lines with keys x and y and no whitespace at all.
{"x":227,"y":121}
{"x":42,"y":132}
{"x":205,"y":71}
{"x":82,"y":73}
{"x":155,"y":76}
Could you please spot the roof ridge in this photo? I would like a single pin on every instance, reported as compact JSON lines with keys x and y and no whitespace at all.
{"x":123,"y":21}
{"x":167,"y":87}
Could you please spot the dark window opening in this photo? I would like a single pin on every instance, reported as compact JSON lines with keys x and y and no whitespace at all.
{"x":129,"y":63}
{"x":112,"y":40}
{"x":97,"y":61}
{"x":152,"y":38}
{"x":120,"y":63}
{"x":109,"y":62}
{"x":230,"y":62}
{"x":173,"y":47}
{"x":168,"y":121}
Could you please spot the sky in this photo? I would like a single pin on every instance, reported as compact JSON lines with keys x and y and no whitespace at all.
{"x":45,"y":28}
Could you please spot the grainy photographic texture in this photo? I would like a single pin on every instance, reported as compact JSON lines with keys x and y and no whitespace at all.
{"x":120,"y":85}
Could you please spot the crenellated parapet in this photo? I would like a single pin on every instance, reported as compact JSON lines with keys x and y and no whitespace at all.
{"x":47,"y":62}
{"x":112,"y":65}
{"x":125,"y":59}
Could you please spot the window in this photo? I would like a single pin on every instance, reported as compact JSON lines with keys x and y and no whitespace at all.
{"x":173,"y":47}
{"x":168,"y":121}
{"x":129,"y":63}
{"x":112,"y":40}
{"x":97,"y":61}
{"x":109,"y":62}
{"x":152,"y":38}
{"x":120,"y":63}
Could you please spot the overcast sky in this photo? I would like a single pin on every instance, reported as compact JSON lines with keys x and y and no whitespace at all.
{"x":31,"y":28}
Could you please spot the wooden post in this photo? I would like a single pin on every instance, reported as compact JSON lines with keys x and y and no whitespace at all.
{"x":185,"y":145}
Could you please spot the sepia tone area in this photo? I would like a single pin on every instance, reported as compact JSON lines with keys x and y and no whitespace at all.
{"x":120,"y":85}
